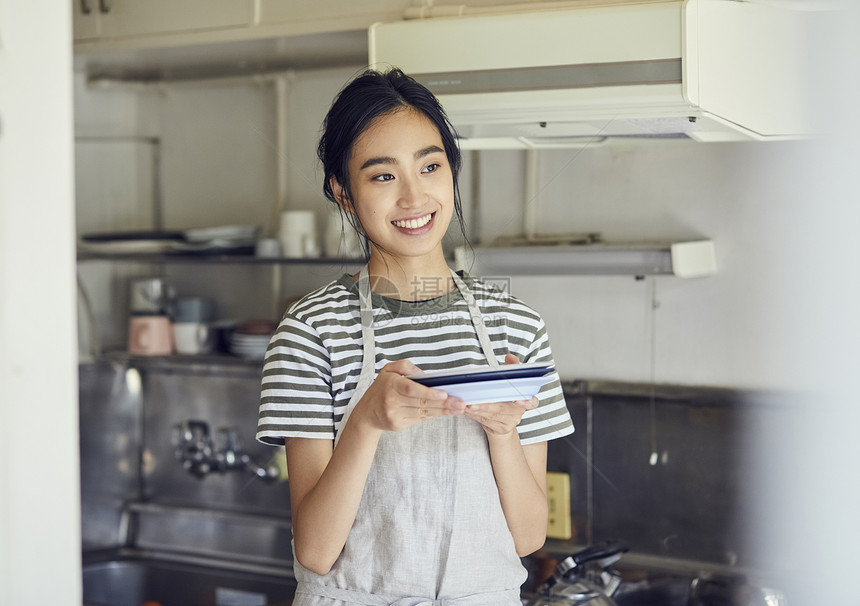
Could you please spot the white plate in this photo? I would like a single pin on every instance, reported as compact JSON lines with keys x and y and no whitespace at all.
{"x":255,"y":340}
{"x":257,"y":354}
{"x":226,"y":232}
{"x":503,"y":390}
{"x":483,"y":373}
{"x":117,"y":247}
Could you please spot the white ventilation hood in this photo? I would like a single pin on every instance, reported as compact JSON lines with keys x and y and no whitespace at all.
{"x":710,"y":70}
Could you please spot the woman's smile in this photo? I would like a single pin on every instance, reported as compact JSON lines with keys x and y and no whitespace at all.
{"x":415,"y":226}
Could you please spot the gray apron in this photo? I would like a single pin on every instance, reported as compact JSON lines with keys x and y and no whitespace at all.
{"x":430,"y":525}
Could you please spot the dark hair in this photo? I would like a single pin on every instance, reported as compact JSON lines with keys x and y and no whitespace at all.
{"x":369,"y":96}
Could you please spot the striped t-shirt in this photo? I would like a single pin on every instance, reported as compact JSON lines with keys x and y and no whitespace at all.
{"x":314,"y":358}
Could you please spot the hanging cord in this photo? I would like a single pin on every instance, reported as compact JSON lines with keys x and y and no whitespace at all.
{"x":652,"y":312}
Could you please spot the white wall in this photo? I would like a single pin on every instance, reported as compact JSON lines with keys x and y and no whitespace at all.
{"x":39,"y":468}
{"x":706,"y":331}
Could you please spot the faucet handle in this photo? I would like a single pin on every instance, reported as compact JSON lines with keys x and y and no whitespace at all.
{"x":228,"y":437}
{"x":188,"y":431}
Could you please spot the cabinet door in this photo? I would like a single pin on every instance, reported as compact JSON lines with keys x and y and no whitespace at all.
{"x":125,"y":18}
{"x":337,"y":14}
{"x":85,"y":19}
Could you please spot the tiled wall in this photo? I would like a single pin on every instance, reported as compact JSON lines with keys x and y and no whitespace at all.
{"x":664,"y":468}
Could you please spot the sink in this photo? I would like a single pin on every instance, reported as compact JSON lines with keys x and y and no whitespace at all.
{"x":138,"y":581}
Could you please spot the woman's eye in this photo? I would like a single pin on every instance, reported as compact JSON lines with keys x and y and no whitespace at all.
{"x":430,"y":168}
{"x":384,"y":177}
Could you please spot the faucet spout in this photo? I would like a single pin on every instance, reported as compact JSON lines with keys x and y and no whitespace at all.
{"x":201,"y":455}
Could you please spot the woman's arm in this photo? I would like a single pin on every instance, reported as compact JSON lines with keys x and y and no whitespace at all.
{"x":520,"y":471}
{"x":325,"y":489}
{"x":326,"y":483}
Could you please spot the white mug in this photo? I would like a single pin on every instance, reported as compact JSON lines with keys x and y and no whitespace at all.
{"x":192,"y":338}
{"x":293,"y":245}
{"x":297,"y":234}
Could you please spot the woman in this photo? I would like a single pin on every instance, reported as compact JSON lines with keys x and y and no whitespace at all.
{"x":401,"y":494}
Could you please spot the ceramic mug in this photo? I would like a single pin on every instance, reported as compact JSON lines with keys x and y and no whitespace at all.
{"x":150,"y":336}
{"x":193,"y":309}
{"x":297,"y":233}
{"x":193,"y":338}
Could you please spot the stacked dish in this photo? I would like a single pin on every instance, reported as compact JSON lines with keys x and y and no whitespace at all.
{"x":229,"y":239}
{"x":251,"y":339}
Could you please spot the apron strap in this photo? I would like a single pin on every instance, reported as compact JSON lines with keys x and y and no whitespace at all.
{"x":368,"y":345}
{"x":477,"y":321}
{"x":368,"y":342}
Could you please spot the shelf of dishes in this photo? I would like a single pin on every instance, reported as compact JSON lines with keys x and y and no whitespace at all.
{"x":297,"y":243}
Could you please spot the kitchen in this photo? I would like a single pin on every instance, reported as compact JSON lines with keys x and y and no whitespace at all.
{"x":780,"y":264}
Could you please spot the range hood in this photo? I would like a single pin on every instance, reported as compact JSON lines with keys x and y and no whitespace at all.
{"x":709,"y":70}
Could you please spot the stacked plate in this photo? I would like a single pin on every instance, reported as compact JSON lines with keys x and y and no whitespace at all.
{"x":229,"y":239}
{"x":481,"y":385}
{"x":251,"y":339}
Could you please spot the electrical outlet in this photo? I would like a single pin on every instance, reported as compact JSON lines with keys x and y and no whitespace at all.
{"x":558,"y":501}
{"x":280,"y":461}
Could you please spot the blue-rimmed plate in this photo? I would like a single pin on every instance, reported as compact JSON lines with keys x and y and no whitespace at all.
{"x":484,"y":384}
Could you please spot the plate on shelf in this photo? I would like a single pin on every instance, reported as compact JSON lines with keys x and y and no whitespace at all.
{"x":242,"y":233}
{"x":216,"y":246}
{"x":125,"y":247}
{"x":129,"y":242}
{"x":251,"y":339}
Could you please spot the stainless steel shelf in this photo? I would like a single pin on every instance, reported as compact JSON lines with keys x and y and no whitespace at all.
{"x":681,"y":259}
{"x":224,"y":259}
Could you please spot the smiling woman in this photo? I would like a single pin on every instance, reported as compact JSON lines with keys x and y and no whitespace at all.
{"x":395,"y":485}
{"x":359,"y":106}
{"x":401,"y":190}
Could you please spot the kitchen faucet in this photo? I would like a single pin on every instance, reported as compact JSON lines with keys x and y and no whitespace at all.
{"x":201,"y":456}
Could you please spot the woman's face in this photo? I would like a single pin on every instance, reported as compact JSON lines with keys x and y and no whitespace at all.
{"x":402,"y":185}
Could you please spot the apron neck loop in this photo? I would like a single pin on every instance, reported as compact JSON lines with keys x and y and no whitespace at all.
{"x":477,"y":321}
{"x":368,"y":363}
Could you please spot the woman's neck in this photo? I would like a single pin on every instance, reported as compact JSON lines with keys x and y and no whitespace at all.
{"x":410,"y":278}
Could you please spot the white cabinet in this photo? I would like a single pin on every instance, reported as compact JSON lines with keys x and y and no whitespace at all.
{"x":336,"y":14}
{"x":141,"y":24}
{"x":137,"y":18}
{"x":119,"y":19}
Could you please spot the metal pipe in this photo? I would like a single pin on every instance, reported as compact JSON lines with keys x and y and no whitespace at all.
{"x":532,"y":194}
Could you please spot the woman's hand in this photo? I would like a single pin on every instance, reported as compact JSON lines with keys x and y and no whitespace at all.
{"x":393,"y":402}
{"x":501,"y":418}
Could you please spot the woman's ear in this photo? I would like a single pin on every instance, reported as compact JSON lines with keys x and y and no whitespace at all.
{"x":340,"y":195}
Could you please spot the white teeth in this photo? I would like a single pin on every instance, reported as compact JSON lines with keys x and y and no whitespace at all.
{"x":414,"y":223}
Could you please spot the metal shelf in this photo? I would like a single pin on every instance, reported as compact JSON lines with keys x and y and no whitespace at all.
{"x":680,"y":259}
{"x":222,"y":259}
